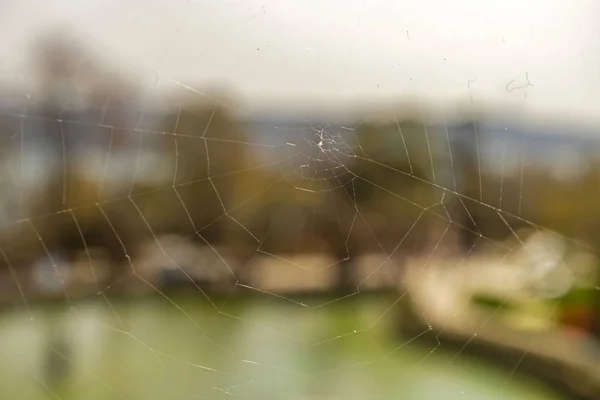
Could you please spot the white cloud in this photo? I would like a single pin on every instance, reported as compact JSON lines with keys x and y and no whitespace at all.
{"x":339,"y":48}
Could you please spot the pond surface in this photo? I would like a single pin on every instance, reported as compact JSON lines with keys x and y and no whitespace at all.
{"x":182,"y":348}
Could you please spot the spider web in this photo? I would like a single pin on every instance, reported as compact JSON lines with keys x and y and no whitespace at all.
{"x":248,"y":209}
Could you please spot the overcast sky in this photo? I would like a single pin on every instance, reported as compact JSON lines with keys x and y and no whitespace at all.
{"x":336,"y":49}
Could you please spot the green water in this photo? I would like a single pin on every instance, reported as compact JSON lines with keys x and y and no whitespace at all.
{"x":152,"y":348}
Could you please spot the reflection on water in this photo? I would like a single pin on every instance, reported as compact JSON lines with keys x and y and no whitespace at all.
{"x":57,"y":354}
{"x":149,"y":349}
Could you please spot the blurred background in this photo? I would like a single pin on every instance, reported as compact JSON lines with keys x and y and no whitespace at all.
{"x":312,"y":200}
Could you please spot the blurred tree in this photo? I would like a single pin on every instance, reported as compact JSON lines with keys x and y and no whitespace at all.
{"x":206,"y":162}
{"x":73,"y":83}
{"x":394,"y":176}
